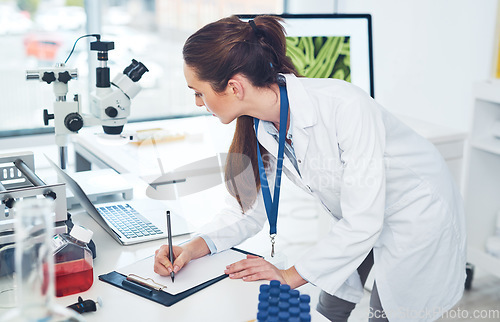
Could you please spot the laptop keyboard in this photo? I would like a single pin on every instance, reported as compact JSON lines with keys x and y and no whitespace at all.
{"x":128,"y":221}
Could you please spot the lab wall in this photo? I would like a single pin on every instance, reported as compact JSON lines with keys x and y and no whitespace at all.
{"x":427,"y":53}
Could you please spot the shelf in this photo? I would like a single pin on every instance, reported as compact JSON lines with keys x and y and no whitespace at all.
{"x":482,"y":185}
{"x":488,"y":90}
{"x":487,"y":144}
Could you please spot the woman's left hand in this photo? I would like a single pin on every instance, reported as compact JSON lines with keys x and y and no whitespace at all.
{"x":254,"y":268}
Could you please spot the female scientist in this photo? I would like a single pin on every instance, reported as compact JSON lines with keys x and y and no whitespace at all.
{"x":394,"y":204}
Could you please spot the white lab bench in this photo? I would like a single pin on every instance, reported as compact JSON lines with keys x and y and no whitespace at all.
{"x":227,"y":300}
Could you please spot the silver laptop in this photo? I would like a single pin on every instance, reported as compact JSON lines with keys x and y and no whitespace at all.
{"x":129,"y":222}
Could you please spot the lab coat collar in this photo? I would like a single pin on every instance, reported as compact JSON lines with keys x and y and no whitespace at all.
{"x":269,"y":127}
{"x":303,"y":117}
{"x":300,"y":104}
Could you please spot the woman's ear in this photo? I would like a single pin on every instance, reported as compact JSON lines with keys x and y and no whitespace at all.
{"x":236,"y":87}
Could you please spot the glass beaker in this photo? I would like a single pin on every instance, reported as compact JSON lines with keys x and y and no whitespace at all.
{"x":34,"y":264}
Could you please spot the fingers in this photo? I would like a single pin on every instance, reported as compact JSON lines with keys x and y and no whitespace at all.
{"x":182,"y":257}
{"x":162,"y":265}
{"x":253,"y":256}
{"x":244,"y":264}
{"x":252,"y":269}
{"x":264,"y":275}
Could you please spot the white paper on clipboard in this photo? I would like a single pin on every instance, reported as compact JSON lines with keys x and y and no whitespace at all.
{"x":196,"y":272}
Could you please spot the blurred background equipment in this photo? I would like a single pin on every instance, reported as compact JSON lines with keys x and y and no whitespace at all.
{"x":18,"y":181}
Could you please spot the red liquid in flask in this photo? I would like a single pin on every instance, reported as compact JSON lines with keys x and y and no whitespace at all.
{"x":73,"y":277}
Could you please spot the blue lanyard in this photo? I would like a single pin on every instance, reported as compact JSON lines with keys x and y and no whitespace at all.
{"x":272,"y":204}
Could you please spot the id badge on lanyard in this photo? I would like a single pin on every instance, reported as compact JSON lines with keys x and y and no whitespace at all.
{"x":272,"y":203}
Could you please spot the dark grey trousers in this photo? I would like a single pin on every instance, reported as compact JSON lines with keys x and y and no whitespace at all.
{"x":339,"y":310}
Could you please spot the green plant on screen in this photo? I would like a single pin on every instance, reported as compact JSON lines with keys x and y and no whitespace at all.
{"x":320,"y":57}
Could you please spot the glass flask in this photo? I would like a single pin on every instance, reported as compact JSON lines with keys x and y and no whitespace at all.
{"x":73,"y":261}
{"x":34,"y":264}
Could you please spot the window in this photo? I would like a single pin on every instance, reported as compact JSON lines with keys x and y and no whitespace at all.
{"x":39,"y":34}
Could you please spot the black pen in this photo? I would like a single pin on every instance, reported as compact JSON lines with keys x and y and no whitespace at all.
{"x":170,"y":250}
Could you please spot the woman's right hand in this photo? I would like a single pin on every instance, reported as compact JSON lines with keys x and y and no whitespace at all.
{"x":162,"y":264}
{"x":195,"y":248}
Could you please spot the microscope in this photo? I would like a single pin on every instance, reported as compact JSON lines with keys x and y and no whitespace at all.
{"x":109,"y":103}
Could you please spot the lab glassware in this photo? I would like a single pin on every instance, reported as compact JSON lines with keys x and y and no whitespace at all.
{"x":73,"y":261}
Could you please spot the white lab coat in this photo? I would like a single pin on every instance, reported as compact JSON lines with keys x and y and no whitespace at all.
{"x":389,"y":190}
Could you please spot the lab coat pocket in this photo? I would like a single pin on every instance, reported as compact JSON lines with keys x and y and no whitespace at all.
{"x":330,"y":191}
{"x":329,"y":181}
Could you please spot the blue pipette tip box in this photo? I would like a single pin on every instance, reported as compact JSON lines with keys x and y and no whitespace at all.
{"x":278,"y":302}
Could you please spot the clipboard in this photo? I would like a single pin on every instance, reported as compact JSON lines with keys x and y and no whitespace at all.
{"x":153,"y":291}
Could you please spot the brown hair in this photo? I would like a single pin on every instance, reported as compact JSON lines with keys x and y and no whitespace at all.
{"x":227,"y":47}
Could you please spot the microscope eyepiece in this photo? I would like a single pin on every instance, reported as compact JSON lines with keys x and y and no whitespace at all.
{"x":135,"y":70}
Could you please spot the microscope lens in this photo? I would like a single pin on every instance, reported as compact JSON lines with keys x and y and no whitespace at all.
{"x":135,"y":70}
{"x":127,"y":69}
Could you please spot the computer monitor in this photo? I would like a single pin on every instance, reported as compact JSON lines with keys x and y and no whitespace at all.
{"x":331,"y":46}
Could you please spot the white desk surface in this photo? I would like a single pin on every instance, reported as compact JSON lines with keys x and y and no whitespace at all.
{"x":227,"y":300}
